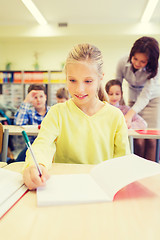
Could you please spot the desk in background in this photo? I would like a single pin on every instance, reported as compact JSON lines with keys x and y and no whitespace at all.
{"x":134,"y":135}
{"x":2,"y":119}
{"x":31,"y":130}
{"x":14,"y":130}
{"x":126,"y":219}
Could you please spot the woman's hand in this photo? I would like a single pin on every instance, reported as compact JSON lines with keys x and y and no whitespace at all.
{"x":32,"y":179}
{"x":128,"y":117}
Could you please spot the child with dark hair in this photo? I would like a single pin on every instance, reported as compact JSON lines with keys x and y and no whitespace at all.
{"x":32,"y":111}
{"x":62,"y":95}
{"x":115,"y":96}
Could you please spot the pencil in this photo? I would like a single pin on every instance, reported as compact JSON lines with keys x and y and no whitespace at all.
{"x":31,"y":151}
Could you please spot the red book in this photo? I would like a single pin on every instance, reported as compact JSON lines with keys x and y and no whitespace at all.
{"x":148,"y":131}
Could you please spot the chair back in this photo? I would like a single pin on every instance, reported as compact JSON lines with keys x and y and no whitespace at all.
{"x":3,"y":143}
{"x":1,"y":137}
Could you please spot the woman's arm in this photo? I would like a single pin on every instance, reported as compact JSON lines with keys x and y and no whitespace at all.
{"x":150,"y":90}
{"x":138,"y":122}
{"x":129,"y":116}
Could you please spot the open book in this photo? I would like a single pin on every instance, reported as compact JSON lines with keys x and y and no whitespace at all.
{"x":100,"y":185}
{"x":11,"y":189}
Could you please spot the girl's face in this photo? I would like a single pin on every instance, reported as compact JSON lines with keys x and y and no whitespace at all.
{"x":114,"y":94}
{"x":83,"y":82}
{"x":139,"y":60}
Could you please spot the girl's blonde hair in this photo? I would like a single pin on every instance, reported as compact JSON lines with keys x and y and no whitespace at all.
{"x":90,"y":53}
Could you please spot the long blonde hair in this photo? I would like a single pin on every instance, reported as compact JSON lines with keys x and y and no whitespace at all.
{"x":88,"y":52}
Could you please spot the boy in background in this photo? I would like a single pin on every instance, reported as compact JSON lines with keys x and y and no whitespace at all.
{"x":32,"y":111}
{"x":62,"y":95}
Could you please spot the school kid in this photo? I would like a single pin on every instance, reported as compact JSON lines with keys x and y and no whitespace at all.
{"x":62,"y":95}
{"x":31,"y":111}
{"x":82,"y":130}
{"x":141,"y":70}
{"x":115,"y":96}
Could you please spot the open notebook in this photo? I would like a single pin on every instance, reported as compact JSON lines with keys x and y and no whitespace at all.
{"x":11,"y":189}
{"x":100,"y":185}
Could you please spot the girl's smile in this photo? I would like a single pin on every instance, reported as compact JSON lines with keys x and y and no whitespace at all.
{"x":81,"y":97}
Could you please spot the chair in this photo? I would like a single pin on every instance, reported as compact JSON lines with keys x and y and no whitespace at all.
{"x":3,"y":143}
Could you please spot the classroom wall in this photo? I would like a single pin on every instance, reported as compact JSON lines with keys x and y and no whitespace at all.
{"x":52,"y":51}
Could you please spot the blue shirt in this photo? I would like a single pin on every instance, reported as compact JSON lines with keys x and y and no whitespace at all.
{"x":27,"y":115}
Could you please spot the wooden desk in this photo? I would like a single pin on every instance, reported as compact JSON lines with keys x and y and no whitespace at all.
{"x":134,"y":135}
{"x":127,"y":219}
{"x":3,"y":164}
{"x":31,"y":130}
{"x":14,"y":130}
{"x":3,"y":119}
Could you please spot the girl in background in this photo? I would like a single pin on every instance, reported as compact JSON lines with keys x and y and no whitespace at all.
{"x":83,"y":129}
{"x":141,"y":70}
{"x":115,"y":96}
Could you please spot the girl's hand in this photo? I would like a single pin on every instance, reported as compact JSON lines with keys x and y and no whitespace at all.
{"x":32,"y":179}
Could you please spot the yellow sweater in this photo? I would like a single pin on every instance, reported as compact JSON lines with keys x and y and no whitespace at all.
{"x":71,"y":136}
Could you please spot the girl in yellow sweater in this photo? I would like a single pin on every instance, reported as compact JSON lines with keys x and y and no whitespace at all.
{"x":83,"y":129}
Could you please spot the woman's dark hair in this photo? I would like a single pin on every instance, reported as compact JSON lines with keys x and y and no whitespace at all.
{"x":150,"y":47}
{"x":114,"y":82}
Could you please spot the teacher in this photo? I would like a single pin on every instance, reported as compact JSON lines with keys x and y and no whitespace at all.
{"x":141,"y":70}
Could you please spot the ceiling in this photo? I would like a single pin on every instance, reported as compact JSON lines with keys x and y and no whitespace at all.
{"x":84,"y":16}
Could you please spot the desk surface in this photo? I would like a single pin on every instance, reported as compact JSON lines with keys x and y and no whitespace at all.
{"x":3,"y":118}
{"x":31,"y":130}
{"x":2,"y":164}
{"x":126,"y":219}
{"x":134,"y":134}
